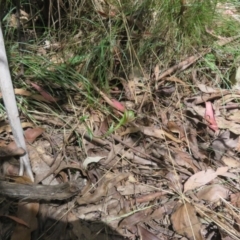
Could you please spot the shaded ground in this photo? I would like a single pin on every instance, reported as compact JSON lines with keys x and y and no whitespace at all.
{"x":156,"y":153}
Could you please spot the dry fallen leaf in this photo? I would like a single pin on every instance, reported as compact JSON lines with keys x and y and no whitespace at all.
{"x":199,"y":99}
{"x":225,"y":124}
{"x":213,"y":193}
{"x":235,"y":199}
{"x":11,"y":150}
{"x":231,"y":162}
{"x":27,"y":212}
{"x":210,"y":116}
{"x":193,"y":143}
{"x":158,"y":133}
{"x":106,"y":183}
{"x":186,"y":223}
{"x":207,"y":89}
{"x":16,"y":219}
{"x":178,"y":80}
{"x":175,"y":128}
{"x":235,"y":116}
{"x":24,"y":92}
{"x":135,"y":218}
{"x":175,"y":181}
{"x":89,"y":160}
{"x":44,"y":93}
{"x":131,"y":189}
{"x":145,"y":234}
{"x":39,"y":161}
{"x":184,"y":159}
{"x":223,"y":142}
{"x":203,"y":177}
{"x":32,"y":133}
{"x":7,"y":127}
{"x":119,"y":106}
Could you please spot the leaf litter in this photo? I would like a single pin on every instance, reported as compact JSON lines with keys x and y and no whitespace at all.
{"x":130,"y":192}
{"x":155,"y":182}
{"x":170,"y":171}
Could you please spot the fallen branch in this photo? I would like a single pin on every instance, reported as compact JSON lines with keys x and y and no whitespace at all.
{"x":40,"y":192}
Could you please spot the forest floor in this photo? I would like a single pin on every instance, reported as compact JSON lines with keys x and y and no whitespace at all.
{"x":147,"y":143}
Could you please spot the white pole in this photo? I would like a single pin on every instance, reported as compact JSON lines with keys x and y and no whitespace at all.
{"x":11,"y":108}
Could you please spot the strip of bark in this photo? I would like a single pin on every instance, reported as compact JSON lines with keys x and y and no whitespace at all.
{"x":40,"y":192}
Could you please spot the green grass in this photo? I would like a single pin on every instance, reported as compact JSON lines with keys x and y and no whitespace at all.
{"x":101,"y":42}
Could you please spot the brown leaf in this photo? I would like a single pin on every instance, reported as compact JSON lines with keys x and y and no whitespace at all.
{"x":21,"y":179}
{"x":210,"y":116}
{"x":32,"y":133}
{"x":10,"y":167}
{"x":175,"y":128}
{"x":224,"y":141}
{"x":235,"y":199}
{"x":16,"y":219}
{"x":27,"y":212}
{"x":119,"y":106}
{"x":108,"y":181}
{"x":175,"y":181}
{"x":178,"y":80}
{"x":135,"y":218}
{"x":149,"y":197}
{"x":184,"y":159}
{"x":145,"y":234}
{"x":231,"y":162}
{"x":45,"y":94}
{"x":160,"y":212}
{"x":41,"y":167}
{"x":213,"y":193}
{"x":134,"y":188}
{"x":128,"y":130}
{"x":193,"y":143}
{"x":158,"y":133}
{"x":11,"y":150}
{"x":203,"y":177}
{"x":207,"y":89}
{"x":186,"y":223}
{"x":229,"y":96}
{"x":26,"y":93}
{"x":225,"y":124}
{"x":224,"y":237}
{"x":7,"y":127}
{"x":206,"y":97}
{"x":235,"y":116}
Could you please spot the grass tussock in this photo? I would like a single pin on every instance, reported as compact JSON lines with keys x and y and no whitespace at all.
{"x":103,"y":39}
